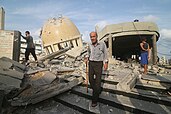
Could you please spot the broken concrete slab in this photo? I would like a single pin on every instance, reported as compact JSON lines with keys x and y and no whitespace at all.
{"x":36,"y":96}
{"x":32,"y":71}
{"x":15,"y":63}
{"x":83,"y":104}
{"x":55,"y":54}
{"x":7,"y":80}
{"x":157,"y":78}
{"x":155,"y":86}
{"x":12,"y":73}
{"x":126,"y":102}
{"x":42,"y":78}
{"x":74,"y":52}
{"x":61,"y":71}
{"x":122,"y":77}
{"x":127,"y":83}
{"x":154,"y":82}
{"x":5,"y":64}
{"x":158,"y":96}
{"x":48,"y":106}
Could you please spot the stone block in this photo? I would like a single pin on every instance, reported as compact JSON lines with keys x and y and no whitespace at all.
{"x":74,"y":52}
{"x":31,"y":71}
{"x":10,"y":81}
{"x":5,"y":64}
{"x":15,"y":63}
{"x":12,"y":73}
{"x":42,"y":78}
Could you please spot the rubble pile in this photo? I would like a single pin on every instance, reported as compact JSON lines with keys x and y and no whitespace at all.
{"x":11,"y":73}
{"x":61,"y":71}
{"x":35,"y":82}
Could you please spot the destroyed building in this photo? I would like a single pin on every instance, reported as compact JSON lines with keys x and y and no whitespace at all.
{"x":55,"y":84}
{"x":123,"y":39}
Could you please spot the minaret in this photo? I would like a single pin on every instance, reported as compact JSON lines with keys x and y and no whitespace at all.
{"x":2,"y":18}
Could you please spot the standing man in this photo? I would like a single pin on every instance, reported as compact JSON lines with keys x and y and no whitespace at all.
{"x":145,"y":55}
{"x":97,"y":56}
{"x":30,"y":46}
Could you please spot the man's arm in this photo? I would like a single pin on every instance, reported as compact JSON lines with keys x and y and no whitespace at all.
{"x":148,"y":52}
{"x":141,"y":45}
{"x":105,"y":57}
{"x":24,"y":37}
{"x":87,"y":54}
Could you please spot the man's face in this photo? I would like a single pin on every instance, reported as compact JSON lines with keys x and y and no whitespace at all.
{"x":93,"y":37}
{"x":26,"y":34}
{"x":144,"y":41}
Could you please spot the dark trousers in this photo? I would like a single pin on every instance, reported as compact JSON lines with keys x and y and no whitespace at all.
{"x":32,"y":51}
{"x":95,"y":73}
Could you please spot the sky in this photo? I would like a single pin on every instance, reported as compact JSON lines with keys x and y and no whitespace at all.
{"x":31,"y":15}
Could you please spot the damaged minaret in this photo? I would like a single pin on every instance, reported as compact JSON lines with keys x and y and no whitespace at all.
{"x":2,"y":19}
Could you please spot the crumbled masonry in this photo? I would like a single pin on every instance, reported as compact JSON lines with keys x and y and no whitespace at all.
{"x":61,"y":78}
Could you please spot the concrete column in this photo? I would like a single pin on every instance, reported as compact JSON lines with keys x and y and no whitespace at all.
{"x":2,"y":18}
{"x":74,"y":42}
{"x":154,"y":49}
{"x":110,"y":45}
{"x":80,"y":42}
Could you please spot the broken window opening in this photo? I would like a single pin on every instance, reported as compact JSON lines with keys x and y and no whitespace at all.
{"x":47,"y":50}
{"x":126,"y":48}
{"x":59,"y":46}
{"x":66,"y":44}
{"x":50,"y":49}
{"x":55,"y":46}
{"x":72,"y":46}
{"x":76,"y":42}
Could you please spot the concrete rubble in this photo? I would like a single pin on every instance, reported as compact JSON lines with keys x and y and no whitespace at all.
{"x":53,"y":74}
{"x":11,"y":72}
{"x":55,"y":84}
{"x":61,"y":71}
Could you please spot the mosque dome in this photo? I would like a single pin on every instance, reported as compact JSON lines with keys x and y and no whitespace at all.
{"x":58,"y":30}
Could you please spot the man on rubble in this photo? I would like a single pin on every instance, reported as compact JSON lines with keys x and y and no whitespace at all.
{"x":97,"y":57}
{"x":30,"y":46}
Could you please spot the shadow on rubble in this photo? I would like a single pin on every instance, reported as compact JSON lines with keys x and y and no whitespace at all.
{"x":155,"y":92}
{"x":111,"y":102}
{"x":167,"y":81}
{"x":112,"y":98}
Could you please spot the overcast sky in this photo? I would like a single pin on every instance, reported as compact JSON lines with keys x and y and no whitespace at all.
{"x":30,"y":15}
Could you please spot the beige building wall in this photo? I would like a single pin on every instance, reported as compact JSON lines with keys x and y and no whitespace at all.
{"x":10,"y":44}
{"x":2,"y":19}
